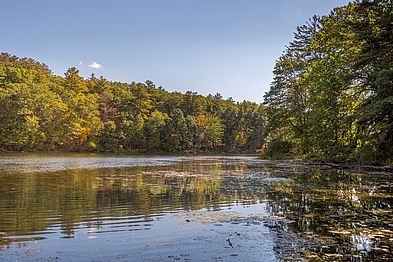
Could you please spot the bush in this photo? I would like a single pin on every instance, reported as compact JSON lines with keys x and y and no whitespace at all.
{"x":279,"y":149}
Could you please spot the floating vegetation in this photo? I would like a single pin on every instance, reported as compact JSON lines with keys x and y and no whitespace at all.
{"x":207,"y":217}
{"x":296,"y":212}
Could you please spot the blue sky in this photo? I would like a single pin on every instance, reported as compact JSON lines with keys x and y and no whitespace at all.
{"x":207,"y":46}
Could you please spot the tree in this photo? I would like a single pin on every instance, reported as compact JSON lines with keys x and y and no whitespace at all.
{"x":42,"y":111}
{"x":373,"y":27}
{"x":210,"y":131}
{"x":153,"y":130}
{"x":287,"y":101}
{"x":331,"y":97}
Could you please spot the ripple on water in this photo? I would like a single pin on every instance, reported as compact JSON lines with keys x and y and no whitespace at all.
{"x":169,"y":208}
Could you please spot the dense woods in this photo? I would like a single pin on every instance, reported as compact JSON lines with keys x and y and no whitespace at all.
{"x":331,"y":99}
{"x":332,"y":94}
{"x":42,"y":111}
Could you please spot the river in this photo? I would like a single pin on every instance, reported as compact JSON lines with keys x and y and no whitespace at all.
{"x":98,"y":207}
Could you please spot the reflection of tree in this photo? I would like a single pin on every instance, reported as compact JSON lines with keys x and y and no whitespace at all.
{"x":34,"y":202}
{"x":334,"y":207}
{"x":319,"y":202}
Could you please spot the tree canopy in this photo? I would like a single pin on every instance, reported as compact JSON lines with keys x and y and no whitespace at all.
{"x":42,"y":111}
{"x":331,"y":99}
{"x":332,"y":94}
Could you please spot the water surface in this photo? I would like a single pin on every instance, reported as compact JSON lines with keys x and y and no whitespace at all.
{"x":89,"y":207}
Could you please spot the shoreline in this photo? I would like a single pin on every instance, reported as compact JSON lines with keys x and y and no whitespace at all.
{"x":343,"y":165}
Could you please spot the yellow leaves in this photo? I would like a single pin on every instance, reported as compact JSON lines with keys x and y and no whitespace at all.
{"x":85,"y":131}
{"x":200,"y":120}
{"x":92,"y":145}
{"x":42,"y":136}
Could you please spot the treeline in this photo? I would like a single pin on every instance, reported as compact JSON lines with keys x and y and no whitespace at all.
{"x":331,"y":99}
{"x":43,"y":111}
{"x":332,"y":94}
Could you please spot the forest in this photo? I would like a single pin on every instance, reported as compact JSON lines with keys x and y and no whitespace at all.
{"x":331,"y":99}
{"x":41,"y":111}
{"x":332,"y":94}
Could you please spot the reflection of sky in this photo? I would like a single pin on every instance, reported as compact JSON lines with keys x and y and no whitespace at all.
{"x":51,"y":163}
{"x":208,"y":46}
{"x":31,"y":163}
{"x":147,"y":238}
{"x":361,"y":242}
{"x":145,"y":211}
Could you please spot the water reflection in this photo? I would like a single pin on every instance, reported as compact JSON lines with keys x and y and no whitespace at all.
{"x":330,"y":214}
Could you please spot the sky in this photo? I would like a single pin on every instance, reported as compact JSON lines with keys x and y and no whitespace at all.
{"x":206,"y":46}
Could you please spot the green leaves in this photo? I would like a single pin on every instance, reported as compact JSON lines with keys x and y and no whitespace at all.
{"x":332,"y":87}
{"x":41,"y":111}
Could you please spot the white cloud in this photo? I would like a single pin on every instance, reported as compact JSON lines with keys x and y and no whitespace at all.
{"x":95,"y":65}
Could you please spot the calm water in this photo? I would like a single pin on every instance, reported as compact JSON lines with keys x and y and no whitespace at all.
{"x":75,"y":207}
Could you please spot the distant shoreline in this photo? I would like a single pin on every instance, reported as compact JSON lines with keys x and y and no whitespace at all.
{"x":311,"y":163}
{"x":199,"y":153}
